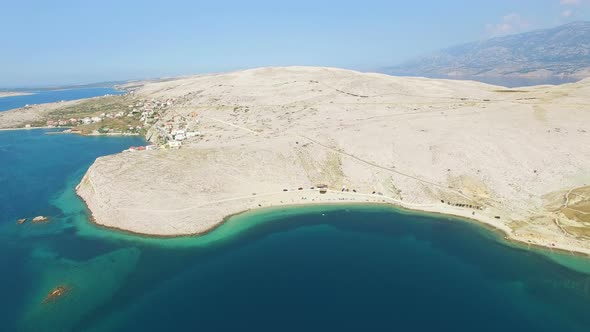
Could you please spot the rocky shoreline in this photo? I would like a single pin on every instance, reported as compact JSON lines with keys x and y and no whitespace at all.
{"x":244,"y":162}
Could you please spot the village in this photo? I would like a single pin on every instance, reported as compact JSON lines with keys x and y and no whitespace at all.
{"x":133,"y":119}
{"x":125,"y":115}
{"x":171,"y":132}
{"x":174,"y":130}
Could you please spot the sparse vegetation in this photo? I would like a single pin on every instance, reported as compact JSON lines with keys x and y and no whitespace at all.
{"x":125,"y":114}
{"x":94,"y":106}
{"x":117,"y":125}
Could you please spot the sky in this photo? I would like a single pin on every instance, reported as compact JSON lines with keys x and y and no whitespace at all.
{"x":73,"y":42}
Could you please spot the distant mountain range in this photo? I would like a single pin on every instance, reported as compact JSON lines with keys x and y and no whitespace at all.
{"x":561,"y":52}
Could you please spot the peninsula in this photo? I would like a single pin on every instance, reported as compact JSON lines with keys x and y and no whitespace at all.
{"x":515,"y":159}
{"x":13,"y":94}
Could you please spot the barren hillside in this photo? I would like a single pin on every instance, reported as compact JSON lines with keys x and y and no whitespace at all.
{"x":515,"y":159}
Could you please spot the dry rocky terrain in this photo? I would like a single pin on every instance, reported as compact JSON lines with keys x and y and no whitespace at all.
{"x":517,"y":159}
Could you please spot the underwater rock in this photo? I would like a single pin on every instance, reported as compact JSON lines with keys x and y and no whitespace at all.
{"x":39,"y":219}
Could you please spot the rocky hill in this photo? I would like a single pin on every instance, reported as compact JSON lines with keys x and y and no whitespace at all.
{"x":517,"y":159}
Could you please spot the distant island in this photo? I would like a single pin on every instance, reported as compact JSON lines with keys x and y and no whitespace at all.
{"x":562,"y":53}
{"x":13,"y":94}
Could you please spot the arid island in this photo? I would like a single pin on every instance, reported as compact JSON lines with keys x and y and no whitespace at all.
{"x":515,"y":159}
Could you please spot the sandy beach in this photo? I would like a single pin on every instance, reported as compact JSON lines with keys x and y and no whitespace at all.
{"x":514,"y":159}
{"x":14,"y":94}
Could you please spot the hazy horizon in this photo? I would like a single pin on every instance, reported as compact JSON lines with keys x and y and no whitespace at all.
{"x":69,"y":43}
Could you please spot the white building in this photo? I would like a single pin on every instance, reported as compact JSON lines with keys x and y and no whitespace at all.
{"x":174,"y":144}
{"x":179,"y":132}
{"x":190,"y":134}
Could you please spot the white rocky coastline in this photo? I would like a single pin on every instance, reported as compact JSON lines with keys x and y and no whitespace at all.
{"x":422,"y":144}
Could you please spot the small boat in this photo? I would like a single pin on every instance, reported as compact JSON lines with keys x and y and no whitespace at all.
{"x":21,"y":221}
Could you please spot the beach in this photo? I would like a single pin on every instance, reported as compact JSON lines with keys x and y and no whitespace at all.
{"x":203,"y":218}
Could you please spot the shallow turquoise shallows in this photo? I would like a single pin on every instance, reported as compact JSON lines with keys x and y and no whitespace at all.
{"x":321,"y":268}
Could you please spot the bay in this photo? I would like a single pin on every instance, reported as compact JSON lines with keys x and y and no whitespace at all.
{"x":52,"y":96}
{"x":345,"y":268}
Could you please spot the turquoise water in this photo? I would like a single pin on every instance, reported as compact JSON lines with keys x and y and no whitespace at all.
{"x":50,"y":96}
{"x":313,"y":268}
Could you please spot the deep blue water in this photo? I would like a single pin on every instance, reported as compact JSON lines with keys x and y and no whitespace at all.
{"x":50,"y":96}
{"x":518,"y":82}
{"x":509,"y":82}
{"x":353,"y":268}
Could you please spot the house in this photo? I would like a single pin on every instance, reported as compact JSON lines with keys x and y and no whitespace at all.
{"x":174,"y":144}
{"x":179,"y":135}
{"x":87,"y":120}
{"x":190,"y":134}
{"x":96,"y":119}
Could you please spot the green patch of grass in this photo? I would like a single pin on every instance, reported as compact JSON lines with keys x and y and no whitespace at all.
{"x":94,"y":106}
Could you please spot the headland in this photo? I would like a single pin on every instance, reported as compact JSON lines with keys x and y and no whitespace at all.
{"x":515,"y":159}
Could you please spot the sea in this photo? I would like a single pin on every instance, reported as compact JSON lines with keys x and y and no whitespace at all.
{"x":51,"y":96}
{"x":517,"y":82}
{"x":508,"y":82}
{"x":312,"y":268}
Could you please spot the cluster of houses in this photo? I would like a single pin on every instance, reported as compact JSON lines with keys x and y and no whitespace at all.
{"x":86,"y":120}
{"x":172,"y":130}
{"x":177,"y":129}
{"x":73,"y":121}
{"x":147,"y":112}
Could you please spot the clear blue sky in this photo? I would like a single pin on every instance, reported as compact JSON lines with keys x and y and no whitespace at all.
{"x":65,"y":42}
